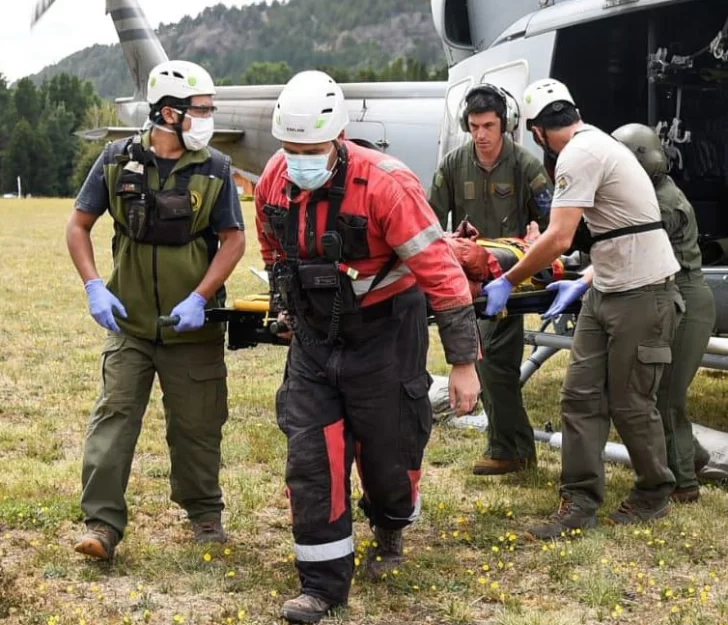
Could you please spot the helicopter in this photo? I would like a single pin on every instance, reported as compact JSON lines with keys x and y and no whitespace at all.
{"x":623,"y":60}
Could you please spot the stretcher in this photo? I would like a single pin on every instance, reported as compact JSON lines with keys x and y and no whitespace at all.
{"x":250,"y":323}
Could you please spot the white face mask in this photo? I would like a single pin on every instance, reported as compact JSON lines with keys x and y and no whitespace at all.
{"x":199,"y":134}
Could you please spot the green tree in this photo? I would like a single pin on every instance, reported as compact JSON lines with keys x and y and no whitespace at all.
{"x":98,"y":116}
{"x":58,"y":126}
{"x":27,"y":100}
{"x":76,"y":95}
{"x":29,"y":155}
{"x":267,"y":73}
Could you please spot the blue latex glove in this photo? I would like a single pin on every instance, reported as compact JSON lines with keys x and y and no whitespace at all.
{"x":568,"y":291}
{"x":191,"y":313}
{"x":497,"y":293}
{"x":101,"y":303}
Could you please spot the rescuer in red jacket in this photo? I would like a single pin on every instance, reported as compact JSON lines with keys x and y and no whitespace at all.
{"x":352,"y":248}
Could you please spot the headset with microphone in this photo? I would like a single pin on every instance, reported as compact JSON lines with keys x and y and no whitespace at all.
{"x":508,"y":112}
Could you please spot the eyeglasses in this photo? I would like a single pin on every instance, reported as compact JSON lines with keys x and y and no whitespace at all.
{"x":201,"y":111}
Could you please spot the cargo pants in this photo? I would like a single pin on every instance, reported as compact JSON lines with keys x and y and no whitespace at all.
{"x":510,"y":435}
{"x":361,"y":400}
{"x":620,"y":348}
{"x":691,"y":339}
{"x":194,"y":387}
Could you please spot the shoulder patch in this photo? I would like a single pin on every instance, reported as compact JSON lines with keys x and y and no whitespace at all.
{"x":439,"y":179}
{"x":538,"y":182}
{"x":391,"y":165}
{"x":562,"y":183}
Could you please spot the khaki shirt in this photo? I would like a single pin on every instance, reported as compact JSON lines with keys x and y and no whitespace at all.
{"x":500,"y":202}
{"x":597,"y":173}
{"x":678,"y":217}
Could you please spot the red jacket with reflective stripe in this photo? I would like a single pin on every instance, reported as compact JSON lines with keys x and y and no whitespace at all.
{"x":399,"y":219}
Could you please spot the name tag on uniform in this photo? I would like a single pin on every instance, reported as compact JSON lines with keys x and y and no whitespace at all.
{"x":469,"y":190}
{"x":501,"y":189}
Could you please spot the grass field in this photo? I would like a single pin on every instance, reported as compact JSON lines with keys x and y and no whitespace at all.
{"x":467,"y":560}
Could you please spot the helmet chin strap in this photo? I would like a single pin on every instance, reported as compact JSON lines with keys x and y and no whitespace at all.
{"x":176,"y":128}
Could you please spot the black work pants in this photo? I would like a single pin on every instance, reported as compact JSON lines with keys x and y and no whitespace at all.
{"x":363,"y":399}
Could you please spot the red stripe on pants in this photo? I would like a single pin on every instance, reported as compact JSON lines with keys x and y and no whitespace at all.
{"x":414,"y":478}
{"x":336,"y":450}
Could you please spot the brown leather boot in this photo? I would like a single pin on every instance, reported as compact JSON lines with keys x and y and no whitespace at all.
{"x":568,"y":518}
{"x":99,"y":541}
{"x":498,"y":466}
{"x":305,"y":609}
{"x":686,"y":495}
{"x":209,"y":531}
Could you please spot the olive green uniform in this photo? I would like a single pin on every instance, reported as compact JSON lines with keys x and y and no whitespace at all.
{"x":499,"y":203}
{"x":693,"y":332}
{"x":150,"y":280}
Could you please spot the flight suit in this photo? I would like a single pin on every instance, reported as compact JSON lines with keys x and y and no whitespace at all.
{"x":499,"y":203}
{"x":692,"y":336}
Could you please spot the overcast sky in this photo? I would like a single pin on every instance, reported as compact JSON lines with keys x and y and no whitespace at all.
{"x":71,"y":25}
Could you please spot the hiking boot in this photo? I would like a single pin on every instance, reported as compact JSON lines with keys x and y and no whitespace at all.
{"x":630,"y":512}
{"x":569,"y":520}
{"x":305,"y":609}
{"x":209,"y":531}
{"x":686,"y":495}
{"x":387,"y":554}
{"x":498,"y":466}
{"x":99,"y":541}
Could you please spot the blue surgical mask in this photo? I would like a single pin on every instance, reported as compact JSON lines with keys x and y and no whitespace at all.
{"x":308,"y":171}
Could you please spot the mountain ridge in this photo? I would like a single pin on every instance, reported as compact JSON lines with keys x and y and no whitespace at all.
{"x":303,"y":34}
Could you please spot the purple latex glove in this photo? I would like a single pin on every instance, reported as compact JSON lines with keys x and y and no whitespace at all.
{"x":191,"y":313}
{"x":497,"y":293}
{"x":102,"y":303}
{"x":568,"y":291}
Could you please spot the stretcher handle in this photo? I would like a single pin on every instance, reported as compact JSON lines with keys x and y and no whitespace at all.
{"x":167,"y":321}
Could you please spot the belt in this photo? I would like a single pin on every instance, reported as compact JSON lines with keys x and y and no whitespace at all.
{"x":375,"y":312}
{"x":665,"y":283}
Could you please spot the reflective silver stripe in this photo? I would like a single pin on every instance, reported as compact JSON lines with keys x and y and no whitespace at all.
{"x":415,"y":512}
{"x":419,"y":242}
{"x":362,"y":286}
{"x":418,"y":507}
{"x":328,"y":551}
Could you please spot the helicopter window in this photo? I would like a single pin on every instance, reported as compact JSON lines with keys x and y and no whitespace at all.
{"x":455,"y":96}
{"x":457,"y":23}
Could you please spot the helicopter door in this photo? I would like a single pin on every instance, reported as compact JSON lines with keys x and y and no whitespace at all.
{"x":453,"y":136}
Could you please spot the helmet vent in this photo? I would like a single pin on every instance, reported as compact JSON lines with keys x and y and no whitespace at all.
{"x":327,"y":111}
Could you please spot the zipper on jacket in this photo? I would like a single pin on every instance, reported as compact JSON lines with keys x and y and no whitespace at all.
{"x":155,"y":279}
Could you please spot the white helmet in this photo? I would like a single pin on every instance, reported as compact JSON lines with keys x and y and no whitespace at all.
{"x":310,"y":109}
{"x":540,"y":94}
{"x":178,"y":79}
